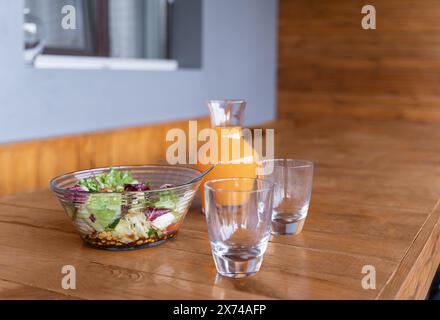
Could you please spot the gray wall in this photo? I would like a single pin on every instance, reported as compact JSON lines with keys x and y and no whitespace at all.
{"x":239,"y":61}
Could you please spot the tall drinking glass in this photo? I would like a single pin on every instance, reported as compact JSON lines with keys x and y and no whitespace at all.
{"x":292,"y":191}
{"x":238,"y":214}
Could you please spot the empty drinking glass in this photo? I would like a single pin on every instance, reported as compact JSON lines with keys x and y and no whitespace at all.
{"x":238,"y":213}
{"x":292,"y":190}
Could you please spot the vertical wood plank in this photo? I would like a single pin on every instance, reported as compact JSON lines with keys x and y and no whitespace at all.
{"x":329,"y":65}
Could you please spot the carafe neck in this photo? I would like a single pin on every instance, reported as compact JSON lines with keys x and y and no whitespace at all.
{"x":226,"y":113}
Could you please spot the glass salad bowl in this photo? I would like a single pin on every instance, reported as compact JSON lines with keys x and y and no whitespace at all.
{"x":127,"y":207}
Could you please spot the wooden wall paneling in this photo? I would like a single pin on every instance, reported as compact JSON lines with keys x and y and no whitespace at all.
{"x":329,"y":65}
{"x":22,"y":158}
{"x":56,"y":156}
{"x":86,"y":151}
{"x":28,"y":166}
{"x":99,"y":145}
{"x":4,"y":160}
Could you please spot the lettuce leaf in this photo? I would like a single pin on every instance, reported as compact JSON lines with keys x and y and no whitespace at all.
{"x":71,"y":210}
{"x":101,"y":210}
{"x":167,"y":200}
{"x":114,"y":180}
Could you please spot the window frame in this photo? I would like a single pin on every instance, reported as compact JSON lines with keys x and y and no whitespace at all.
{"x":99,"y":34}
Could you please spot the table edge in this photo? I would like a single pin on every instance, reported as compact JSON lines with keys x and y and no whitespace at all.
{"x":413,"y":277}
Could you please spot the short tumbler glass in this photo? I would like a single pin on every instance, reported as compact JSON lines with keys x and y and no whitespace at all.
{"x":238,"y":214}
{"x":292,"y":191}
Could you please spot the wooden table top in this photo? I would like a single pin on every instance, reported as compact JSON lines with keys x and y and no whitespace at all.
{"x":374,"y":202}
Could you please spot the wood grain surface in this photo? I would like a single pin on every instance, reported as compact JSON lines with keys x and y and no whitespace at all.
{"x":374,"y":202}
{"x":329,"y":65}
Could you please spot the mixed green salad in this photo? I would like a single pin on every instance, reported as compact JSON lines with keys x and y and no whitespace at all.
{"x":112,"y":209}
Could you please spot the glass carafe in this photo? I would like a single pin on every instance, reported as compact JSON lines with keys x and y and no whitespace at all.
{"x":238,"y":159}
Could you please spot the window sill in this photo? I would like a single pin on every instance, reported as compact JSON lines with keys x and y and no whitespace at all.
{"x":99,"y":63}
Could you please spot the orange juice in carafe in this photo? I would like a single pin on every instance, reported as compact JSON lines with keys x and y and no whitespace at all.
{"x":235,"y":155}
